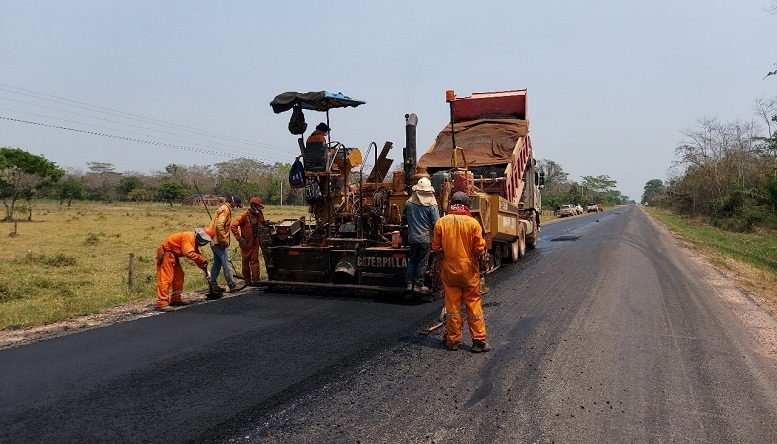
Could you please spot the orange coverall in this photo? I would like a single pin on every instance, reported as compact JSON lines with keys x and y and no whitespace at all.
{"x":168,"y":265}
{"x":248,"y":238}
{"x":462,"y":243}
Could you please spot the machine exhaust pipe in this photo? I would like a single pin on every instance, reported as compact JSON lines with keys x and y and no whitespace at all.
{"x":409,"y":153}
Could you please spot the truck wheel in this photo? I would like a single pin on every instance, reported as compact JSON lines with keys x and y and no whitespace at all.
{"x":531,"y":243}
{"x":518,"y":248}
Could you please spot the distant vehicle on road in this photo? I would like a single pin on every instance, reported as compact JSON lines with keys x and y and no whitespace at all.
{"x":592,"y":208}
{"x":579,"y":209}
{"x":567,"y":210}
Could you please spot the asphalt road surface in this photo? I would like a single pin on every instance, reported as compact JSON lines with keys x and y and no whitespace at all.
{"x":604,"y":333}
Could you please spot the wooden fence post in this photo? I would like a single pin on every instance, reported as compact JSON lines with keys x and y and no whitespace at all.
{"x":131,"y":270}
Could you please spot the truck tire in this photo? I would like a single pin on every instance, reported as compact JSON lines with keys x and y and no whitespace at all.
{"x":531,"y":241}
{"x":517,"y":248}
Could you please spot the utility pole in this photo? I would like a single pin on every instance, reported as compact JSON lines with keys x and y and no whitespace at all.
{"x":281,"y":192}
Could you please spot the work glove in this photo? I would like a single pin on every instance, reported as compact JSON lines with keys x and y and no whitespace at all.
{"x":207,"y":273}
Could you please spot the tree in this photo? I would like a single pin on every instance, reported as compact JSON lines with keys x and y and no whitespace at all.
{"x":600,"y":189}
{"x":170,"y":192}
{"x":126,"y":185}
{"x":554,"y":174}
{"x":21,"y":173}
{"x":137,"y":195}
{"x":68,"y":189}
{"x":654,"y":188}
{"x":100,"y":167}
{"x":242,"y":170}
{"x":598,"y":184}
{"x":101,"y":181}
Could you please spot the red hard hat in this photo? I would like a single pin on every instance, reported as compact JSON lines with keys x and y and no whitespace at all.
{"x":209,"y":231}
{"x":256,"y":201}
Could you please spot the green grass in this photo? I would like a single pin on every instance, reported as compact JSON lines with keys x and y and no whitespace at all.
{"x":75,"y":261}
{"x":758,"y":250}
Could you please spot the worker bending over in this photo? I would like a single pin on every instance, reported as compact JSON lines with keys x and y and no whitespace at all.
{"x":460,"y":238}
{"x":168,"y":265}
{"x":246,"y":230}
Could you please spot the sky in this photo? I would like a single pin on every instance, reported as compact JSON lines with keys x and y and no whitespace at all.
{"x":143,"y":84}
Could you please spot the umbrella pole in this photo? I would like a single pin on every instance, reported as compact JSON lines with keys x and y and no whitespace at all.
{"x":329,"y":133}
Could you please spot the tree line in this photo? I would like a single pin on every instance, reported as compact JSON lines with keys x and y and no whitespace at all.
{"x":25,"y":176}
{"x":725,"y":172}
{"x":559,"y":190}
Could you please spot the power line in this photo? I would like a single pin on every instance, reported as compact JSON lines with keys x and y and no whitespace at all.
{"x":108,"y":120}
{"x":130,"y":116}
{"x":132,"y":139}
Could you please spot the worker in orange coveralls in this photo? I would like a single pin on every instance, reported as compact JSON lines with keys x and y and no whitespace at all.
{"x":246,"y":230}
{"x":460,"y":238}
{"x":168,"y":265}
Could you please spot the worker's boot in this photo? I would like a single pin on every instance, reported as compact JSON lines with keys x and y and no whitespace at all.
{"x":480,"y":347}
{"x":421,"y":288}
{"x":235,"y":287}
{"x":214,"y":288}
{"x":214,"y":293}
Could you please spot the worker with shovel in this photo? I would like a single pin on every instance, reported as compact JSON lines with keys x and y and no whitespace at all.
{"x":460,"y":238}
{"x":168,"y":265}
{"x":246,"y":230}
{"x":220,"y":224}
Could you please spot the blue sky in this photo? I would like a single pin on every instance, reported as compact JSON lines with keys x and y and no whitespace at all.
{"x":610,"y":84}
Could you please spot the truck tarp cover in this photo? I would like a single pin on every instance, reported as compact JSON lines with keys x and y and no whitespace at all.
{"x":485,"y":142}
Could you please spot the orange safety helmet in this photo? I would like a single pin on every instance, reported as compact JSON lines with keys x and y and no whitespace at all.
{"x":256,"y":201}
{"x":209,"y":231}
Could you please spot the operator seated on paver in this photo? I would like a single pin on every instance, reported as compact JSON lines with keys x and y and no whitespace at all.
{"x":420,"y":213}
{"x":168,"y":265}
{"x":460,"y":238}
{"x":314,"y":156}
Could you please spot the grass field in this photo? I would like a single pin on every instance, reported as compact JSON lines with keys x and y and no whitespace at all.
{"x":751,"y":257}
{"x":72,"y":261}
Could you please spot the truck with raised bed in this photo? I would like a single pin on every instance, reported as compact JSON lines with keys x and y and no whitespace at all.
{"x":486,"y":152}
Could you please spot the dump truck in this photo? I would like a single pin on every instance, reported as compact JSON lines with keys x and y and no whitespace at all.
{"x":486,"y":152}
